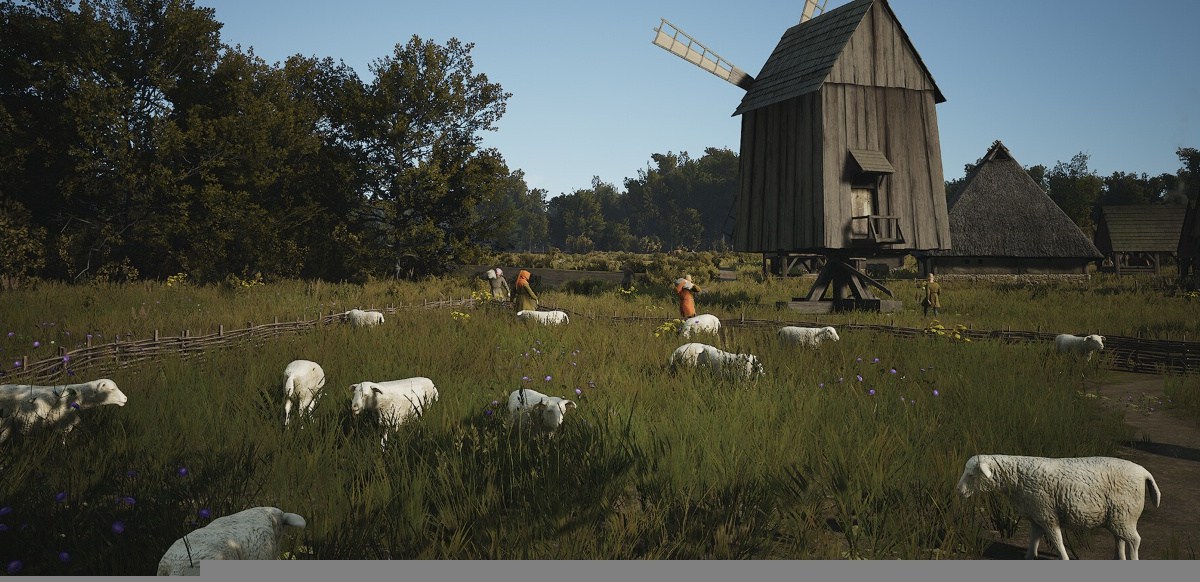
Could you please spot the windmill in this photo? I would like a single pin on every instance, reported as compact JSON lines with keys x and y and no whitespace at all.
{"x":840,"y":155}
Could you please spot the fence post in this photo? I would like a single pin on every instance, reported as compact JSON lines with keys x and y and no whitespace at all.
{"x":156,"y":335}
{"x":221,"y":330}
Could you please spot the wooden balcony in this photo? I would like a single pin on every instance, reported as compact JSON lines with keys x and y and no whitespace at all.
{"x":874,"y":229}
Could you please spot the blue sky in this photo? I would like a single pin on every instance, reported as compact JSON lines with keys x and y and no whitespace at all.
{"x":1117,"y":80}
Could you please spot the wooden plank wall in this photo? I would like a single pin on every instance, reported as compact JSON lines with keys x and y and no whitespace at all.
{"x":878,"y":56}
{"x":780,"y":206}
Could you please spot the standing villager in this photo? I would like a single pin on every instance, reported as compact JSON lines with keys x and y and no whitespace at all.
{"x":524,"y":299}
{"x":499,"y":284}
{"x":933,"y":291}
{"x":686,"y":289}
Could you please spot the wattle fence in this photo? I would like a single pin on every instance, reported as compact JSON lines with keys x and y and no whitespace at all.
{"x":1121,"y":353}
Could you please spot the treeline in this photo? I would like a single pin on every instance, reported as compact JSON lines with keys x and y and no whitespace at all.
{"x":135,"y":144}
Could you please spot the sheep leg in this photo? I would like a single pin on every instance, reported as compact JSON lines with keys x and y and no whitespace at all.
{"x":1035,"y":538}
{"x":287,"y":411}
{"x":1055,"y":538}
{"x":1128,"y":542}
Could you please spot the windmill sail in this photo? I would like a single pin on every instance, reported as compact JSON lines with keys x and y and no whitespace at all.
{"x":812,"y":8}
{"x":679,"y":43}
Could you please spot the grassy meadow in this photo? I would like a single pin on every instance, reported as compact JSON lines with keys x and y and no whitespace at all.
{"x":847,"y":451}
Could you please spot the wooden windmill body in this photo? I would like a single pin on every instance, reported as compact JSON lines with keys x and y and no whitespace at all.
{"x":840,"y":155}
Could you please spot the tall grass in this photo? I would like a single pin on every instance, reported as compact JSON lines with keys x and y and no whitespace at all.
{"x":806,"y":462}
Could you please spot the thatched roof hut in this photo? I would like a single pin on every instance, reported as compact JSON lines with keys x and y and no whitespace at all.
{"x":1189,"y":245}
{"x":1001,"y":222}
{"x":1136,"y":238}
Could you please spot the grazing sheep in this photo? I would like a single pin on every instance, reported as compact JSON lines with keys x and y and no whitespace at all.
{"x":1077,"y":493}
{"x":1085,"y":345}
{"x":302,"y":382}
{"x":395,"y":400}
{"x":808,"y":336}
{"x":703,"y":355}
{"x":555,"y":317}
{"x":360,"y":318}
{"x":704,"y":322}
{"x":524,"y":403}
{"x":26,"y":407}
{"x":252,"y":534}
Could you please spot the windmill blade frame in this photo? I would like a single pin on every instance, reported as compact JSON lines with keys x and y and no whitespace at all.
{"x":668,"y":37}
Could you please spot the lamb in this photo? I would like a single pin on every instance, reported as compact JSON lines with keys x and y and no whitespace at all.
{"x":1078,"y":493}
{"x":27,"y":407}
{"x":1087,"y":344}
{"x":252,"y":534}
{"x":360,"y":318}
{"x":704,"y":322}
{"x":524,"y":403}
{"x":395,"y":400}
{"x":744,"y":366}
{"x":302,"y":382}
{"x":808,"y":336}
{"x":555,"y":317}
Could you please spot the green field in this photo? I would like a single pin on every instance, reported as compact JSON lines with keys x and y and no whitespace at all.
{"x":847,"y":451}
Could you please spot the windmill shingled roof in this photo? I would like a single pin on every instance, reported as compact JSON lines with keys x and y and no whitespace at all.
{"x":1002,"y":212}
{"x":806,"y":53}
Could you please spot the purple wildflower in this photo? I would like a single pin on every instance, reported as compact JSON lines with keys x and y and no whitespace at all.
{"x":857,"y":359}
{"x":495,"y":402}
{"x":5,"y":510}
{"x":128,"y":500}
{"x":182,"y":472}
{"x":936,"y":393}
{"x":64,"y":557}
{"x":3,"y":528}
{"x":37,"y":344}
{"x":14,"y":566}
{"x":875,"y":361}
{"x":118,"y":527}
{"x":10,"y":334}
{"x":74,"y":405}
{"x":892,"y":371}
{"x":548,"y":377}
{"x":60,"y":497}
{"x":871,"y":392}
{"x":16,"y":363}
{"x":859,"y":376}
{"x":821,"y":385}
{"x":487,"y":412}
{"x":578,"y":391}
{"x":525,"y":378}
{"x":66,"y":358}
{"x":131,"y":473}
{"x":204,"y":513}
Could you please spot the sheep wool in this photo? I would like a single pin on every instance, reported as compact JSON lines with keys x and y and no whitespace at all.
{"x":1076,"y":493}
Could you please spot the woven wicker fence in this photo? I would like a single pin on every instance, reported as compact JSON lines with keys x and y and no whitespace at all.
{"x":1132,"y":354}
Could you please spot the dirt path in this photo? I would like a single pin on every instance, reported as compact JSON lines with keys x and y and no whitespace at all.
{"x":1165,"y":444}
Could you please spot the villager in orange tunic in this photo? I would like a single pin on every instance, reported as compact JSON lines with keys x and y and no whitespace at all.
{"x":685,"y":289}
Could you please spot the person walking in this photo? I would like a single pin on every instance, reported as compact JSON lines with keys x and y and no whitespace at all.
{"x":686,"y":289}
{"x":933,"y":291}
{"x":499,"y":284}
{"x":524,"y":299}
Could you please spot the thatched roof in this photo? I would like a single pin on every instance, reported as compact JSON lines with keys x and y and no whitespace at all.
{"x":1002,"y":212}
{"x":1140,"y":228}
{"x":807,"y":53}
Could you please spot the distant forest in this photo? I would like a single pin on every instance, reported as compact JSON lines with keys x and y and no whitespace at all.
{"x":134,"y":144}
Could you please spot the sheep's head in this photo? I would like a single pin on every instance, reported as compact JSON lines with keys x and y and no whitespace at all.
{"x":753,"y":367}
{"x":103,"y":391}
{"x":363,"y":396}
{"x":830,"y":333}
{"x":552,"y":410}
{"x":1094,"y":342}
{"x":976,"y":476}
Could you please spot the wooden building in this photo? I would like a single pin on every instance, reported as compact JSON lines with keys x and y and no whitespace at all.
{"x":839,"y":148}
{"x":1137,"y":238}
{"x":1188,"y":253}
{"x":1001,"y":222}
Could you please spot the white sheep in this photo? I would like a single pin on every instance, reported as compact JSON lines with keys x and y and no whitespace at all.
{"x":252,"y":534}
{"x":302,"y":382}
{"x":1078,"y":493}
{"x":1084,"y":345}
{"x":28,"y":407}
{"x":703,"y":355}
{"x":555,"y":317}
{"x":394,"y":400}
{"x":808,"y":336}
{"x":703,"y":323}
{"x":360,"y":318}
{"x":524,"y":403}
